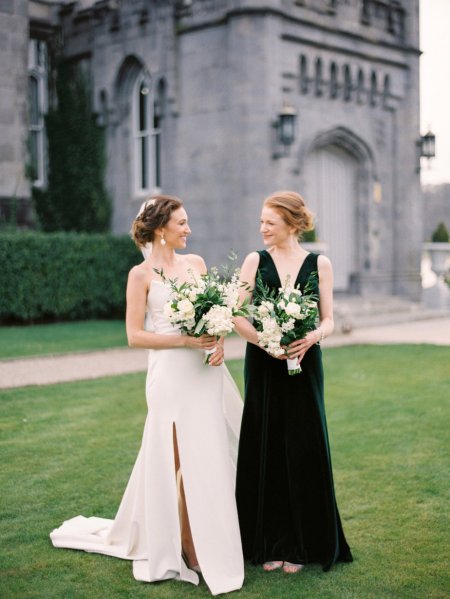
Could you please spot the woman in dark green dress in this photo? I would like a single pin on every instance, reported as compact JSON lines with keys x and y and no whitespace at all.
{"x":285,"y":492}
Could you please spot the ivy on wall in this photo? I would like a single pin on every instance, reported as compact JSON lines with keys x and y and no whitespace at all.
{"x":76,"y":198}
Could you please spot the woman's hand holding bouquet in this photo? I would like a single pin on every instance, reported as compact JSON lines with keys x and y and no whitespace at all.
{"x":284,"y":317}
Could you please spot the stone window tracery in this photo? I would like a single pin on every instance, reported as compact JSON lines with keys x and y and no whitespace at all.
{"x":349,"y":82}
{"x":146,"y":134}
{"x":37,"y":107}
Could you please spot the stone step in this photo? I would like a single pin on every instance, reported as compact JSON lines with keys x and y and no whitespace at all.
{"x":354,"y":312}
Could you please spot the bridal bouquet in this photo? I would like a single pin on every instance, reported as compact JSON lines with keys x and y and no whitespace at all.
{"x":208,"y":304}
{"x":284,"y":316}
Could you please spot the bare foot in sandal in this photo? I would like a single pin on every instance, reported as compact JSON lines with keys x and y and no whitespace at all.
{"x":271,"y":566}
{"x":292,"y":568}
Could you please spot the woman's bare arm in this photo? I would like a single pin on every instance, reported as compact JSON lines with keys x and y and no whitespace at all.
{"x":248,"y":279}
{"x":137,"y":290}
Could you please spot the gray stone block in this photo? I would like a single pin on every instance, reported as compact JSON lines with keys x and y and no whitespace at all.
{"x":7,"y":6}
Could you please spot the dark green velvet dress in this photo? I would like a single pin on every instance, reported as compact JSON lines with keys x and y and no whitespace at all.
{"x":285,"y":492}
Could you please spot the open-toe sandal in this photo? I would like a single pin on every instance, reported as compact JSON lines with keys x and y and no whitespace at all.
{"x":292,"y":568}
{"x":271,"y":566}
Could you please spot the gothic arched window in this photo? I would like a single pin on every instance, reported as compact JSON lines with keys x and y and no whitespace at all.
{"x":334,"y":88}
{"x":319,"y":77}
{"x":386,"y":90}
{"x":373,"y":89}
{"x":304,"y":81}
{"x":159,"y":109}
{"x":348,"y":88}
{"x":37,"y":106}
{"x":360,"y":87}
{"x":145,"y":137}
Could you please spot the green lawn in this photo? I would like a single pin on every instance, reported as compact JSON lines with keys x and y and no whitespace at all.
{"x":61,"y":337}
{"x":68,"y":449}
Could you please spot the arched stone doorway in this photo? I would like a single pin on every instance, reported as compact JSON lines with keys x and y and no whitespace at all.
{"x":338,"y":175}
{"x":332,"y":187}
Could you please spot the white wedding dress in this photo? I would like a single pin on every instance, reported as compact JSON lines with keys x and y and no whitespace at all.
{"x":182,"y":392}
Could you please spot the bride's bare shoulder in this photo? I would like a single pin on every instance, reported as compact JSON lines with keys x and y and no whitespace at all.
{"x":196,"y":262}
{"x":140,"y":272}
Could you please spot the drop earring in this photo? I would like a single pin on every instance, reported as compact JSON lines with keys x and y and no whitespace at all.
{"x":163,"y":241}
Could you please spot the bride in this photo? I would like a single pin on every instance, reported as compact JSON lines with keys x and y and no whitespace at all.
{"x":178,"y":514}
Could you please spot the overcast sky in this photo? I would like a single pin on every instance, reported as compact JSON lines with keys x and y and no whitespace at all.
{"x":435,"y":85}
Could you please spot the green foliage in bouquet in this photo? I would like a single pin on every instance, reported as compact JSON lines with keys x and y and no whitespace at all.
{"x":207,"y":304}
{"x":76,"y":198}
{"x":440,"y":234}
{"x":293,"y":312}
{"x":63,"y":276}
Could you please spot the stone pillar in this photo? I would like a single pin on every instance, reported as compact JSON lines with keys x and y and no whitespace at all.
{"x":13,"y":101}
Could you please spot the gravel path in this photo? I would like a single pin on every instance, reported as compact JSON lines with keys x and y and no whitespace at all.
{"x":73,"y":367}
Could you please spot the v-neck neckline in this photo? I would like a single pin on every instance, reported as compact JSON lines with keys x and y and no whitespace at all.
{"x":299,"y":270}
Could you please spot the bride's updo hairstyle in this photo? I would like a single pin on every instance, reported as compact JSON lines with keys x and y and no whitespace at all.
{"x":155,"y":213}
{"x":291,"y":207}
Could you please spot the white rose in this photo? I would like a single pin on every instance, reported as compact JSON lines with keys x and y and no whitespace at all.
{"x":263,"y":310}
{"x":292,"y":309}
{"x":185,"y":306}
{"x":193,"y":295}
{"x":282,"y":305}
{"x":185,"y":309}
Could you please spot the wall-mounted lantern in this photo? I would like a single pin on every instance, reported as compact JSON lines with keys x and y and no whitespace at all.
{"x":285,"y":129}
{"x":426,"y":145}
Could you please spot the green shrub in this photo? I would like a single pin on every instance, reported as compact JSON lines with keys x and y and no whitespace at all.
{"x":308,"y":236}
{"x":63,"y":276}
{"x":440,"y":234}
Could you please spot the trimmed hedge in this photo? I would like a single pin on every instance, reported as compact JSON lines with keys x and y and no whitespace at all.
{"x":63,"y":276}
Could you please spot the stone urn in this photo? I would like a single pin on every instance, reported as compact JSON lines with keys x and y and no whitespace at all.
{"x":439,"y":253}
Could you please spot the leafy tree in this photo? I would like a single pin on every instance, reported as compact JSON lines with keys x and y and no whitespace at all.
{"x":76,"y":198}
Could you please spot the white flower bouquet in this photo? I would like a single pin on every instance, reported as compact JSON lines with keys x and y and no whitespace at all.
{"x":284,"y":316}
{"x":208,"y":304}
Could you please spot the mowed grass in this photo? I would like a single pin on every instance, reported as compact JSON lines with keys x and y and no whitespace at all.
{"x":61,"y":337}
{"x":69,"y":449}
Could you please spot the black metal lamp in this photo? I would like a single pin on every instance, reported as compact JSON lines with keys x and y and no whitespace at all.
{"x":426,"y":148}
{"x":286,"y":125}
{"x":428,"y":145}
